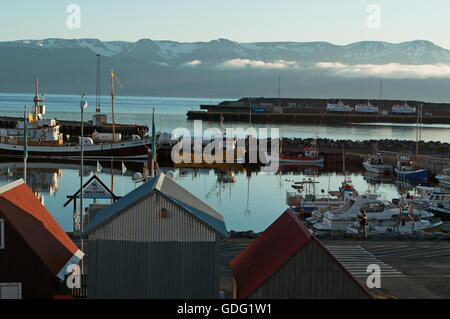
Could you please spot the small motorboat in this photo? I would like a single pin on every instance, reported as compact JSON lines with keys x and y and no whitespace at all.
{"x":310,"y":156}
{"x":376,"y":164}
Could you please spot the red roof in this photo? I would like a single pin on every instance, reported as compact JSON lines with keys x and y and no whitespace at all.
{"x":38,"y":228}
{"x":268,"y":252}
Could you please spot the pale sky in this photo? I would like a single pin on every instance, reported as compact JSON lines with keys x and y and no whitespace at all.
{"x":335,"y":21}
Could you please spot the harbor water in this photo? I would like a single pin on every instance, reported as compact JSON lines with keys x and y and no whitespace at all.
{"x":248,"y":201}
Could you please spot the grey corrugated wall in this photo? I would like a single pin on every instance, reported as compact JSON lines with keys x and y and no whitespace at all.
{"x":310,"y":273}
{"x":138,"y":254}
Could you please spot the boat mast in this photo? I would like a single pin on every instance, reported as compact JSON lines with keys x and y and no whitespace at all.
{"x":97,"y":109}
{"x":418,"y":128}
{"x":112,"y":104}
{"x":36,"y":102}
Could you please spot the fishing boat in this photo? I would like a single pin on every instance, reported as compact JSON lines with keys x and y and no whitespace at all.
{"x":339,"y":108}
{"x":441,"y":208}
{"x":45,"y":140}
{"x":305,"y":200}
{"x":405,"y":170}
{"x":403,"y":109}
{"x":309,"y":156}
{"x":376,"y":208}
{"x":444,"y":178}
{"x":366,"y":108}
{"x":376,"y":164}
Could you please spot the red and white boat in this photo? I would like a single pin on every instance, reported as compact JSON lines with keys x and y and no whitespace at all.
{"x":310,"y":156}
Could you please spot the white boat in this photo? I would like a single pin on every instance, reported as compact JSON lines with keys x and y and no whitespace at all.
{"x":340,"y":107}
{"x":426,"y":196}
{"x":441,"y":209}
{"x":403,"y":225}
{"x":366,"y":108}
{"x":375,"y":164}
{"x":403,"y":109}
{"x":298,"y":202}
{"x":444,"y":178}
{"x":376,"y":208}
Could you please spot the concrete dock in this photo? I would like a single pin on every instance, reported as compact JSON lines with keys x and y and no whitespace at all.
{"x":409,"y":269}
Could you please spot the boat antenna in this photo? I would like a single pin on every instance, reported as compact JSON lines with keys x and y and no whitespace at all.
{"x":97,"y":102}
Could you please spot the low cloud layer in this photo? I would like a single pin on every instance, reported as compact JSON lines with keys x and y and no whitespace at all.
{"x":389,"y":70}
{"x":247,"y":63}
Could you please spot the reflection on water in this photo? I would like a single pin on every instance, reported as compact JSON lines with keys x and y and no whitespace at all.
{"x":247,"y":200}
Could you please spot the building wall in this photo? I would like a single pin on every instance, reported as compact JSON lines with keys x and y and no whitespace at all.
{"x":19,"y":263}
{"x":139,"y":254}
{"x":310,"y":273}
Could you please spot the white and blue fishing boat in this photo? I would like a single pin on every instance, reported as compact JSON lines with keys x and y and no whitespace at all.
{"x":405,"y":170}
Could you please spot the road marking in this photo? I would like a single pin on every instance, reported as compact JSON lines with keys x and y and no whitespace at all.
{"x":356,"y":259}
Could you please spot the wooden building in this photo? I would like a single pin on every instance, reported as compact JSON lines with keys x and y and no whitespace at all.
{"x":34,"y":250}
{"x":158,"y":241}
{"x":287,"y":261}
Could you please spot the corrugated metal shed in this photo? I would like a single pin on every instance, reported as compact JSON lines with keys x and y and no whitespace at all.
{"x":287,"y":261}
{"x":38,"y":228}
{"x":171,"y":190}
{"x":137,"y":251}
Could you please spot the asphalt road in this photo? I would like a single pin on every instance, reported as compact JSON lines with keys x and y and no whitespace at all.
{"x":409,"y":269}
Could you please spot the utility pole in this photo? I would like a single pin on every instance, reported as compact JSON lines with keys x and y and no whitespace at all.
{"x":279,"y":90}
{"x":381,"y":89}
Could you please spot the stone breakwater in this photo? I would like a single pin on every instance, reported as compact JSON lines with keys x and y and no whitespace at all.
{"x":326,"y":145}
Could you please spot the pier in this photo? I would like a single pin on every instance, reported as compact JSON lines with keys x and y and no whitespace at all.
{"x":313,"y":118}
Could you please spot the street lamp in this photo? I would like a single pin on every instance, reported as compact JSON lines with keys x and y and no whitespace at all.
{"x":83,"y":105}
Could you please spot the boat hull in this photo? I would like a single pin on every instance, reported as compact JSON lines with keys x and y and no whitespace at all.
{"x":379,"y":169}
{"x":125,"y":150}
{"x":413,"y":174}
{"x":301,"y":160}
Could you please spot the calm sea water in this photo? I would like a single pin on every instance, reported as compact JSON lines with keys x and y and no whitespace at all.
{"x":171,"y":114}
{"x":248,"y":203}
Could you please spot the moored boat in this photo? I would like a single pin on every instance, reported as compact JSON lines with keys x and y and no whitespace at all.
{"x":366,"y":108}
{"x":309,"y":156}
{"x":444,"y":178}
{"x":376,"y":164}
{"x":405,"y":169}
{"x":376,"y":208}
{"x":403,"y":109}
{"x":339,"y":108}
{"x":45,"y":140}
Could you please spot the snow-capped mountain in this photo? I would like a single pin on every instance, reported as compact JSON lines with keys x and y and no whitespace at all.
{"x":176,"y":54}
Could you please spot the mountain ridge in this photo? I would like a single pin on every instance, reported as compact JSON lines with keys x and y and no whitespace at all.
{"x":176,"y":54}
